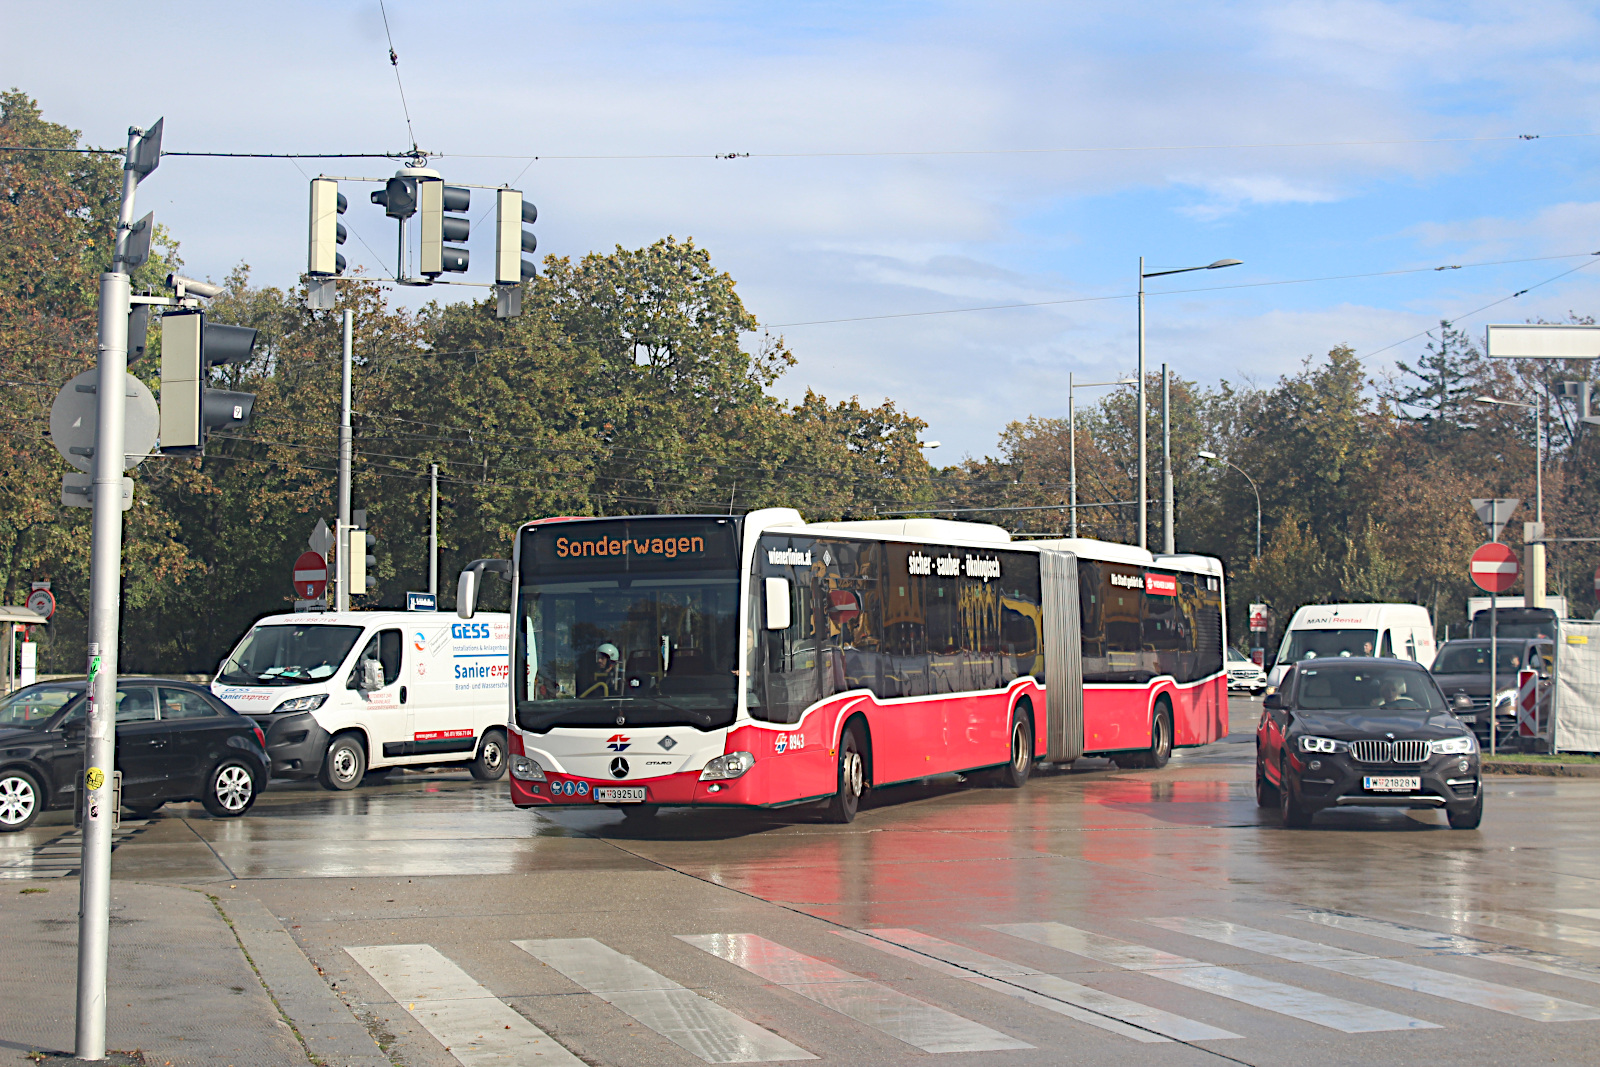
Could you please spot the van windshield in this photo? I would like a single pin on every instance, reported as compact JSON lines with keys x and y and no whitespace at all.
{"x":288,"y":654}
{"x":1320,"y":644}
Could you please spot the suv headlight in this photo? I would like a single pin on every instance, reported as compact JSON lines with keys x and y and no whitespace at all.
{"x":526,"y":770}
{"x":730,"y":766}
{"x":1505,"y":696}
{"x":1454,"y":746}
{"x":1323,"y":744}
{"x":310,"y":703}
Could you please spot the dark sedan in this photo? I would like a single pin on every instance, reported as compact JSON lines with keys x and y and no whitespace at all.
{"x":1365,"y":732}
{"x":175,"y":741}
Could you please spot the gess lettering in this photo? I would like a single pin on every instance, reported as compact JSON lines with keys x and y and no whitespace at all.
{"x":470,"y":631}
{"x":666,"y":547}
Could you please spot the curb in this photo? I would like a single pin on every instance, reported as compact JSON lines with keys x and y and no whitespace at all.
{"x":1546,"y":770}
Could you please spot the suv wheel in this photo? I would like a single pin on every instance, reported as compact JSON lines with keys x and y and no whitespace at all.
{"x":1296,"y":816}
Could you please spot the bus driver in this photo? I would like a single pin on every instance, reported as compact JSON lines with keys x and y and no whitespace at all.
{"x":606,"y":658}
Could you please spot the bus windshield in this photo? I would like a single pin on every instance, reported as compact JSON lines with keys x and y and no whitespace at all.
{"x":288,"y":655}
{"x":612,"y":630}
{"x":1319,"y":644}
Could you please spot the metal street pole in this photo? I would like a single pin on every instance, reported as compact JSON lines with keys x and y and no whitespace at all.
{"x":433,"y":532}
{"x":342,"y":536}
{"x":1168,"y":544}
{"x":1143,"y":472}
{"x":1072,"y":455}
{"x":105,"y":595}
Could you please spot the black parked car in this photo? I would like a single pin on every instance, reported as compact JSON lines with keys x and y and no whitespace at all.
{"x":175,"y":741}
{"x":1462,"y":670}
{"x":1368,"y":732}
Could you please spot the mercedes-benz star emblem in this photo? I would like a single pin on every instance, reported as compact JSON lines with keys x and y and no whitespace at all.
{"x":619,"y":768}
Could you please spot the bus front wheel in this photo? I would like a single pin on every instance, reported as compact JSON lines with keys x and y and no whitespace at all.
{"x":1160,"y":749}
{"x":852,"y":779}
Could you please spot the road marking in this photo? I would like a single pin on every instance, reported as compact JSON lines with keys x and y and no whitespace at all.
{"x":701,"y":1026}
{"x":1578,"y":935}
{"x":1456,"y":944}
{"x":887,"y":1010}
{"x":473,"y":1025}
{"x":1246,"y":988}
{"x":1087,"y":1005}
{"x":1582,"y":913}
{"x":61,"y":856}
{"x":1473,"y":991}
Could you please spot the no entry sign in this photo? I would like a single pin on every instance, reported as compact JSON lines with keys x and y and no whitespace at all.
{"x":1494,"y":567}
{"x":310,"y":575}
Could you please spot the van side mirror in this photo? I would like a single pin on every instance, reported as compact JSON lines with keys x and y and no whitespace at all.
{"x":777,"y":596}
{"x":470,"y":584}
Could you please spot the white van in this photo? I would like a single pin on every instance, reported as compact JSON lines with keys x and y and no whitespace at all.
{"x":345,"y":694}
{"x":1398,"y":631}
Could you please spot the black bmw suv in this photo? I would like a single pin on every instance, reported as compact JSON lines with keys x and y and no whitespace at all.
{"x":1365,"y":732}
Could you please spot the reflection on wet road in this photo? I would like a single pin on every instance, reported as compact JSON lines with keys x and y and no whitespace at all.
{"x":1092,"y":913}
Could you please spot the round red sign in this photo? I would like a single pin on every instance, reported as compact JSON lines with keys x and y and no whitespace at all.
{"x":310,"y":576}
{"x":1494,"y":567}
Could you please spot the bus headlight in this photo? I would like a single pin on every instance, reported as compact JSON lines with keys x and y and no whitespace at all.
{"x":526,"y":770}
{"x":308,"y":703}
{"x":732,"y":765}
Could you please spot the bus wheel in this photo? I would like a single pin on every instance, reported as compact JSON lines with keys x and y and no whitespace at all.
{"x":852,"y":777}
{"x":1160,"y":749}
{"x":1014,"y":775}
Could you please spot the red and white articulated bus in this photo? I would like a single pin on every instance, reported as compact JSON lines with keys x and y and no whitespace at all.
{"x":765,"y":661}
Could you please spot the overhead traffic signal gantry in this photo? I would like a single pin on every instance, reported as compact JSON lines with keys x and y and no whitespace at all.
{"x":190,"y":347}
{"x":512,"y":212}
{"x":327,"y":232}
{"x":435,"y":200}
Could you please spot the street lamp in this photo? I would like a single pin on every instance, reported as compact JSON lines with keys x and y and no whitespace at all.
{"x":1072,"y":439}
{"x":1143,"y":462}
{"x":1203,"y":454}
{"x":1534,"y":581}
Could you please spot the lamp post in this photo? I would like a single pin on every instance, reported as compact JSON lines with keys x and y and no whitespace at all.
{"x":1143,"y":458}
{"x":1072,"y":440}
{"x":1533,"y":582}
{"x":1203,"y":454}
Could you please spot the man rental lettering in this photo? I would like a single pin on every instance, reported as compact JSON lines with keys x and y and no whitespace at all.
{"x":658,"y":547}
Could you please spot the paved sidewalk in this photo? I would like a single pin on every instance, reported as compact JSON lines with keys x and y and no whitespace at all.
{"x":180,"y":990}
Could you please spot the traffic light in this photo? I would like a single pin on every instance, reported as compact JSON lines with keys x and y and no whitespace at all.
{"x":434,"y":199}
{"x":398,"y":197}
{"x":190,"y":347}
{"x":511,"y":240}
{"x":327,"y":232}
{"x":361,"y":546}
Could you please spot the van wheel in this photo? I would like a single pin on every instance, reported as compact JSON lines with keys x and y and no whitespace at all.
{"x":852,"y":779}
{"x":344,"y":765}
{"x":490,"y":763}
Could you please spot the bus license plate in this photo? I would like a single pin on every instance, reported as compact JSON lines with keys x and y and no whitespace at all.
{"x":1391,"y":783}
{"x":627,"y":794}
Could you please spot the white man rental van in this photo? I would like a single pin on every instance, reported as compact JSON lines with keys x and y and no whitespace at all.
{"x":1395,"y":631}
{"x":343,"y":694}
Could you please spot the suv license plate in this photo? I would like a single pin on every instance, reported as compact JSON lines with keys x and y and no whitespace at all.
{"x":1391,"y":784}
{"x":627,"y":794}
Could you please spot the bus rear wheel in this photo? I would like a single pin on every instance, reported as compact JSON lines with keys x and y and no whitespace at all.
{"x":852,"y":780}
{"x":1016,"y":771}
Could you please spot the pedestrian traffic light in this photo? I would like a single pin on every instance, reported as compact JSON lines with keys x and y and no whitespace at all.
{"x":511,"y":240}
{"x":327,"y":232}
{"x":434,"y":200}
{"x":398,"y":197}
{"x":190,"y":347}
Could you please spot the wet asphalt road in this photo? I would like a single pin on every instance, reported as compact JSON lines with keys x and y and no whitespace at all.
{"x":1091,"y":917}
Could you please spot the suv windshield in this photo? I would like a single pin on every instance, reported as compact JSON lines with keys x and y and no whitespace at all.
{"x":628,"y":635}
{"x":1319,"y":644}
{"x":1340,"y":687}
{"x":32,"y":706}
{"x":288,"y":654}
{"x":1474,"y":658}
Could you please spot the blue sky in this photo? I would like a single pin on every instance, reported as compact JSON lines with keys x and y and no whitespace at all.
{"x":812,"y":236}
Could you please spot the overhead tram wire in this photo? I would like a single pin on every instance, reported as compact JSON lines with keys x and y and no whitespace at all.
{"x":394,"y":61}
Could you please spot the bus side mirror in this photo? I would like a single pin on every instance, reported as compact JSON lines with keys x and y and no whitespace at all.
{"x":777,"y":595}
{"x":467,"y":593}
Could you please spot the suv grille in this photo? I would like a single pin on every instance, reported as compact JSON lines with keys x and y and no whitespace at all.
{"x":1389,"y":751}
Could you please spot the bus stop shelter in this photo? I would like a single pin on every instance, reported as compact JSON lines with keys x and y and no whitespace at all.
{"x":13,"y":616}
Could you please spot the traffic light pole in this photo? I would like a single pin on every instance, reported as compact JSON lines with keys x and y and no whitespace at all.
{"x":342,"y":534}
{"x":105,"y":580}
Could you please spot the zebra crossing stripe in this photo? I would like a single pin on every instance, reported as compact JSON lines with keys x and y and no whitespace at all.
{"x":886,"y":1010}
{"x":700,"y":1026}
{"x":1578,"y":935}
{"x":474,"y":1025}
{"x":1109,"y":1012}
{"x":1456,"y":944}
{"x":1443,"y":984}
{"x":1241,"y":986}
